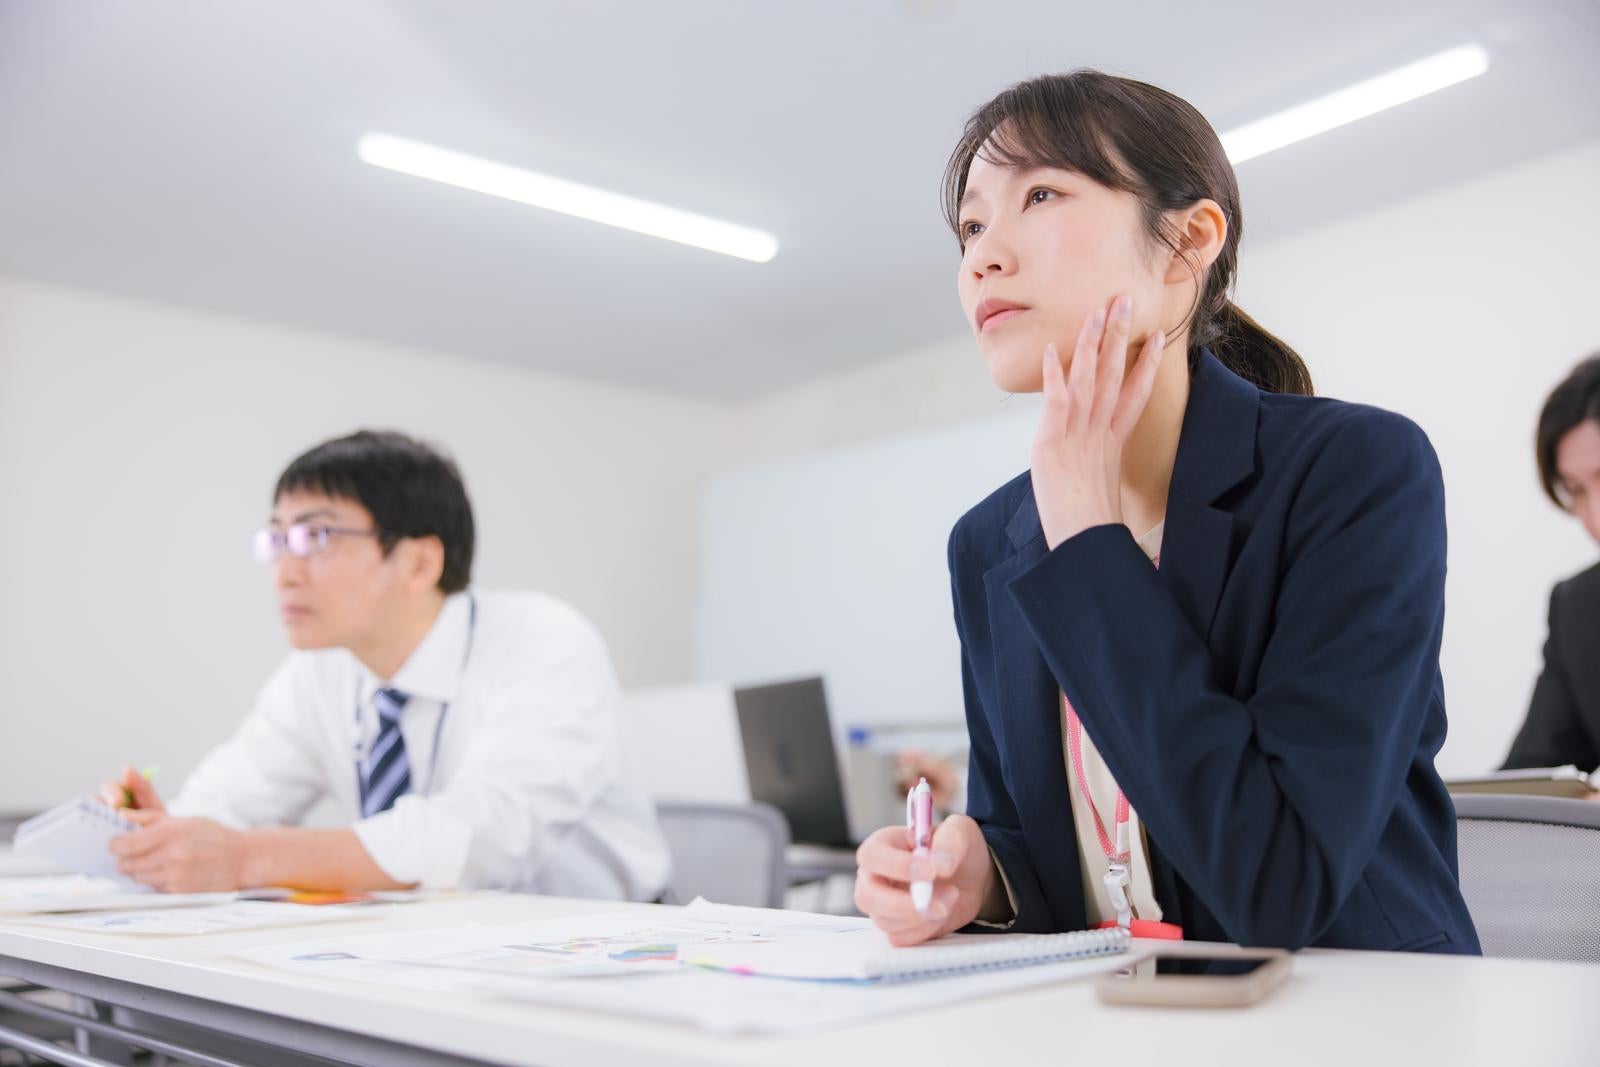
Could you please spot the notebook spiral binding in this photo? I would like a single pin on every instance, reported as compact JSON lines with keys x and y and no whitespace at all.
{"x":1011,"y":952}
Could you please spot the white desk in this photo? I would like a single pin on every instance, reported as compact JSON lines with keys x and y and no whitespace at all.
{"x":1339,"y":1008}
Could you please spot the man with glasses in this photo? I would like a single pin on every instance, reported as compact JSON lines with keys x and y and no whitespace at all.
{"x":469,"y":739}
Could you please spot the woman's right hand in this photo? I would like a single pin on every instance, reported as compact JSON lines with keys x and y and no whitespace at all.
{"x":957,"y":863}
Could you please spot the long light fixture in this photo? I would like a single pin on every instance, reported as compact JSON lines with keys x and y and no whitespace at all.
{"x":567,"y":197}
{"x":1377,"y":94}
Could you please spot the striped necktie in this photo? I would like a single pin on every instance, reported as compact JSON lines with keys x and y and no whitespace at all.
{"x":386,"y":772}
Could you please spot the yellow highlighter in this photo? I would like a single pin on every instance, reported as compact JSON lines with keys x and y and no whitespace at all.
{"x":149,"y":774}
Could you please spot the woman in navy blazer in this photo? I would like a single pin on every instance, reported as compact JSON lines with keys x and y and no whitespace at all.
{"x":1269,"y":700}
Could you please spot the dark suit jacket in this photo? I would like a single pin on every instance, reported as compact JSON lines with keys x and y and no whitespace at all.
{"x":1563,"y":724}
{"x":1270,"y":700}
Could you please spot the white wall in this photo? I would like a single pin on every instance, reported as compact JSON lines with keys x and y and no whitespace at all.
{"x":923,"y":390}
{"x":138,"y":449}
{"x":1460,"y":309}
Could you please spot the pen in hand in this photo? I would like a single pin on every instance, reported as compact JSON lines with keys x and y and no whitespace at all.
{"x":919,"y":820}
{"x":117,"y":795}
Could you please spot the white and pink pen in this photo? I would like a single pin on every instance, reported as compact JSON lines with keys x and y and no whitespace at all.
{"x":919,"y":820}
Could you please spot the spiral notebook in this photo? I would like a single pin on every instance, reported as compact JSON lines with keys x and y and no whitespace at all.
{"x":76,"y":835}
{"x":866,"y":955}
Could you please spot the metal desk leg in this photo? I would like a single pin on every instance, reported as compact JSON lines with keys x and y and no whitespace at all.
{"x":98,"y":1044}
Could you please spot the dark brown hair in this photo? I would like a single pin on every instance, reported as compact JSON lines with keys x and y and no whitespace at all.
{"x":409,"y":489}
{"x":1572,"y":403}
{"x":1138,"y":139}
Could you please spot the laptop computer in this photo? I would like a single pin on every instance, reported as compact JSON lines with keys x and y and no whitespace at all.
{"x":791,"y":761}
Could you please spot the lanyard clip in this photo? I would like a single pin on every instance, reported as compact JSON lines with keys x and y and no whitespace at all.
{"x":1116,"y":880}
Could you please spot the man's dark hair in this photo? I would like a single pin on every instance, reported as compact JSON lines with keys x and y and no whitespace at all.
{"x":410,"y":489}
{"x":1572,"y":403}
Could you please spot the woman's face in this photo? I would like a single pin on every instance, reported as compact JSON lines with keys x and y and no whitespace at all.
{"x":1042,"y":249}
{"x":1578,"y":473}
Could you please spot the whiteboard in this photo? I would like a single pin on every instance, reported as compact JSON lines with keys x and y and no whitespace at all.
{"x":833,"y":564}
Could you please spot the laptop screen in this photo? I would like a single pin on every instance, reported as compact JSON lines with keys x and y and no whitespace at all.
{"x":790,"y":757}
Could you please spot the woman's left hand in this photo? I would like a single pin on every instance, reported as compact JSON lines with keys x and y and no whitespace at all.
{"x":1089,"y":412}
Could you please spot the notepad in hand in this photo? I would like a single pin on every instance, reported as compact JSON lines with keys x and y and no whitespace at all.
{"x":77,"y":836}
{"x":866,"y":955}
{"x":1566,"y":781}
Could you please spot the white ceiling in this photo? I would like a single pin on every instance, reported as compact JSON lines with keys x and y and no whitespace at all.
{"x":202,"y":153}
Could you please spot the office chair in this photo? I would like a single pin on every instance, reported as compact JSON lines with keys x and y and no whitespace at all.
{"x":1530,"y":873}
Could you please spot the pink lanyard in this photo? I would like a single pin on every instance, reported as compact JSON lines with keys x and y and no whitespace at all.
{"x":1117,"y":854}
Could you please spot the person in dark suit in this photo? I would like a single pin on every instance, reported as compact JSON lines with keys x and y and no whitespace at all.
{"x":1563,"y":723}
{"x":1200,"y":636}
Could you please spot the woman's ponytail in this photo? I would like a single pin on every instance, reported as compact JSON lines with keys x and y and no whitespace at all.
{"x":1255,"y":354}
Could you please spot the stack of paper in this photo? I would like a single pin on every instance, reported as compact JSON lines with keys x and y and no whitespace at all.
{"x":184,"y":922}
{"x":637,"y":965}
{"x":47,"y":894}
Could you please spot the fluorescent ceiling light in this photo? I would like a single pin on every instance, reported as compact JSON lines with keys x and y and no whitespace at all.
{"x":567,"y":197}
{"x":1356,"y":102}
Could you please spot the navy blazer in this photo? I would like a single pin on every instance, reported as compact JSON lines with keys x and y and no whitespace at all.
{"x":1269,"y":700}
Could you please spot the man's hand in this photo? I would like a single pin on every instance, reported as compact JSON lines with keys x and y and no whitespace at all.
{"x":181,"y":855}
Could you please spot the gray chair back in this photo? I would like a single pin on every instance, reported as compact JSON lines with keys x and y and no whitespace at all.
{"x":1530,"y":873}
{"x":727,"y":853}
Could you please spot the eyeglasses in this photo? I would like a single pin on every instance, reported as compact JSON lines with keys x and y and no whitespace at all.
{"x":302,"y":540}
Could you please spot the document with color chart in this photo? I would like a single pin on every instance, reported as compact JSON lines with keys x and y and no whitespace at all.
{"x":641,"y":964}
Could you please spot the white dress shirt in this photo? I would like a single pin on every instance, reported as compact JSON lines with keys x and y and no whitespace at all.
{"x":517,"y":775}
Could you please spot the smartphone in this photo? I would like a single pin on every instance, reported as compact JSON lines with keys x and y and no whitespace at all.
{"x":1230,"y":981}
